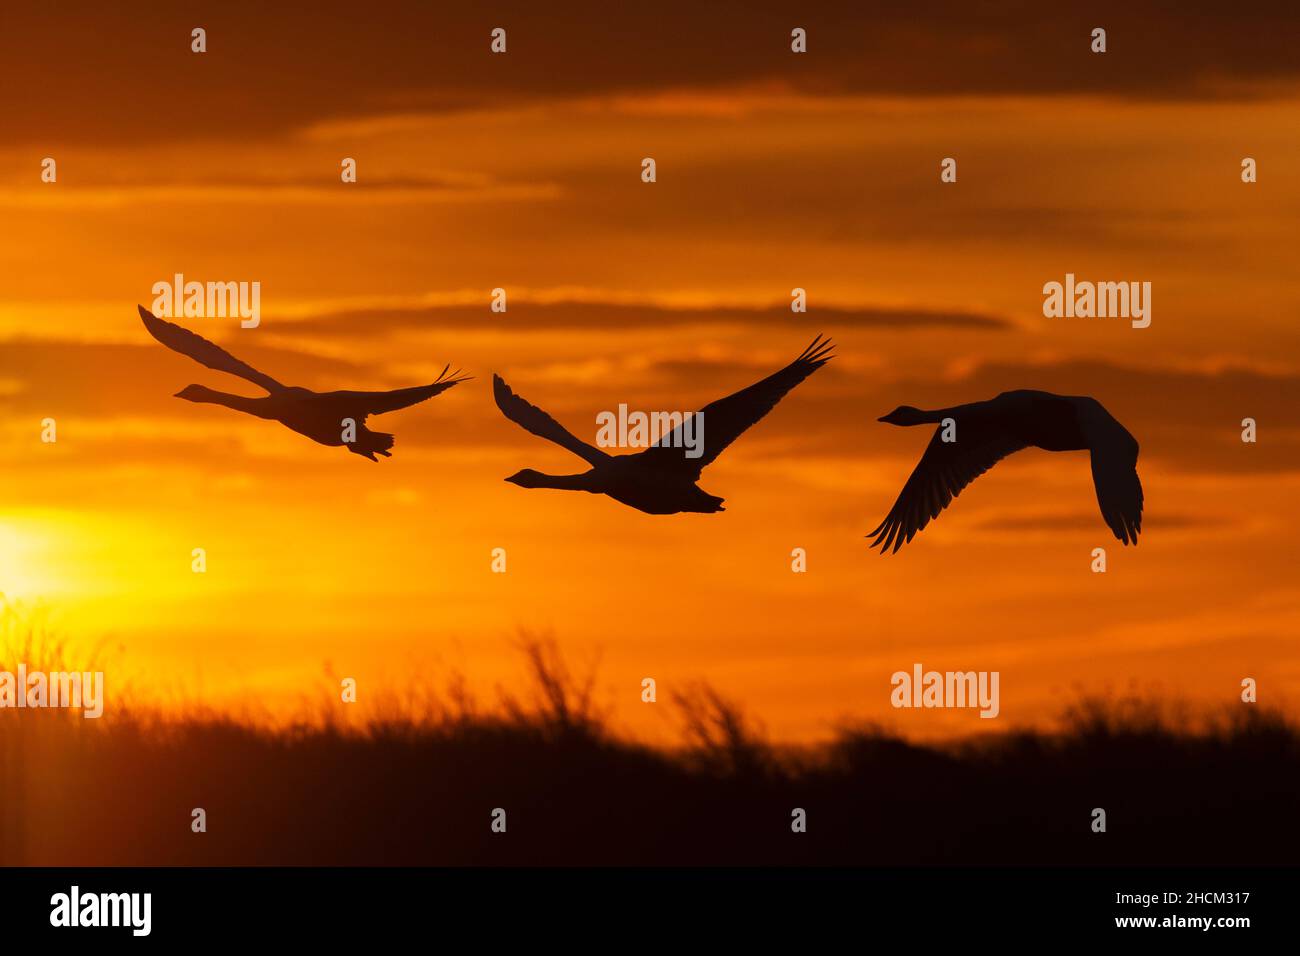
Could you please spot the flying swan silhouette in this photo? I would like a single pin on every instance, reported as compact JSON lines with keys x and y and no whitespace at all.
{"x":661,"y":479}
{"x":318,"y":415}
{"x":986,"y":432}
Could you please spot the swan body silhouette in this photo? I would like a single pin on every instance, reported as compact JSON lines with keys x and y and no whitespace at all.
{"x":986,"y":432}
{"x":320,"y":416}
{"x":661,"y":479}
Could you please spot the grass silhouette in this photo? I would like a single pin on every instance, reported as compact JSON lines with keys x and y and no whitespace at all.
{"x":419,"y":789}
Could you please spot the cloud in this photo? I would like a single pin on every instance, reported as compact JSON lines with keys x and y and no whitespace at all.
{"x":403,"y":191}
{"x":1019,"y":521}
{"x":531,"y":315}
{"x":1188,"y":419}
{"x":270,"y":70}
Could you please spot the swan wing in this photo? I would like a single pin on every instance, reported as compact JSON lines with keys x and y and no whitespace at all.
{"x":204,"y":352}
{"x":725,"y":420}
{"x":532,"y":419}
{"x":1119,"y":493}
{"x":376,"y":403}
{"x":939,"y":477}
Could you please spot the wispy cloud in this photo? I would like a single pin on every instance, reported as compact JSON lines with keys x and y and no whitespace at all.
{"x":269,"y":70}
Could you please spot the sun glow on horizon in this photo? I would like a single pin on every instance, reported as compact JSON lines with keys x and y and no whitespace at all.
{"x":27,"y":567}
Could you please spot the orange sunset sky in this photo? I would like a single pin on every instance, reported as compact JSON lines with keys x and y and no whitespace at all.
{"x":775,"y":171}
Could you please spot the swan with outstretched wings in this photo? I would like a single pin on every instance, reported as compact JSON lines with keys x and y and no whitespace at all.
{"x":983,"y":433}
{"x":330,"y":418}
{"x":662,"y":478}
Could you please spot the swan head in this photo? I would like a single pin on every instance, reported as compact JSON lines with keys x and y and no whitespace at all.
{"x":194,"y":393}
{"x":904,"y":415}
{"x":527,"y":478}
